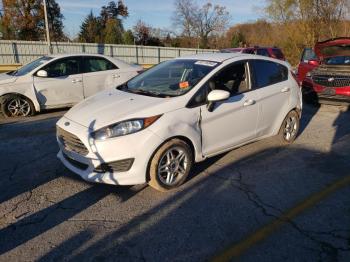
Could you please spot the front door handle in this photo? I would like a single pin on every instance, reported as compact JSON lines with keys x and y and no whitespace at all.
{"x":76,"y":81}
{"x":249,"y":102}
{"x":285,"y":90}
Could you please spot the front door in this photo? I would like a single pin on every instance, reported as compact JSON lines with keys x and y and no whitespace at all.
{"x":232,"y":122}
{"x":63,"y":84}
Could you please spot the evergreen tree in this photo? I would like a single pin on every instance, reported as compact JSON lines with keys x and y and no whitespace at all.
{"x":90,"y":30}
{"x":128,"y":38}
{"x":113,"y":32}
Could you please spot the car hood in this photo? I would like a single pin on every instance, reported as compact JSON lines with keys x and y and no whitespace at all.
{"x":333,"y":47}
{"x":7,"y":79}
{"x":111,"y":106}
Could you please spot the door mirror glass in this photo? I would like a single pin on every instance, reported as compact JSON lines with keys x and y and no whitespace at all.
{"x":218,"y":95}
{"x":41,"y":73}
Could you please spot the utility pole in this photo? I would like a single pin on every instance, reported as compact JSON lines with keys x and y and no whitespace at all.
{"x":47,"y":29}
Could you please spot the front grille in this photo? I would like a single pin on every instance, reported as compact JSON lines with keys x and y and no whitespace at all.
{"x":117,"y":166}
{"x":71,"y":142}
{"x":75,"y":163}
{"x":331,"y":80}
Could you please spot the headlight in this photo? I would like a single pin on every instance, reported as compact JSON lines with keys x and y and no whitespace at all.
{"x":124,"y":128}
{"x":308,"y":74}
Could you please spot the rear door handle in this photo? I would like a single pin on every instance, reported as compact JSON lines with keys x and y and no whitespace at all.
{"x":116,"y":76}
{"x":77,"y":81}
{"x":284,"y":90}
{"x":249,"y":102}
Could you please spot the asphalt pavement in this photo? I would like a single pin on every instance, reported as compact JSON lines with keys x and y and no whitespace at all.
{"x":260,"y":202}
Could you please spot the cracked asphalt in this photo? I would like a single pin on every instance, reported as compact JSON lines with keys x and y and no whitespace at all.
{"x":261,"y":202}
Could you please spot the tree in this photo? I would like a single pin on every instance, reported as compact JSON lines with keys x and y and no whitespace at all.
{"x":200,"y":21}
{"x":25,"y":20}
{"x":113,"y":32}
{"x":237,"y":40}
{"x":128,"y":37}
{"x":111,"y":21}
{"x":144,"y":35}
{"x":90,"y":30}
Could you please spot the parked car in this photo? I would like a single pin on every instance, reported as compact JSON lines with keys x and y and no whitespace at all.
{"x":330,"y":81}
{"x":157,"y":125}
{"x":308,"y":61}
{"x":273,"y":52}
{"x":60,"y":81}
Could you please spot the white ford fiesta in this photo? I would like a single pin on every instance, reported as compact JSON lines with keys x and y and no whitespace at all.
{"x":155,"y":126}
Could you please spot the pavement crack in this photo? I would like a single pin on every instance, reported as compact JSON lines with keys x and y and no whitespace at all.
{"x":325,"y":247}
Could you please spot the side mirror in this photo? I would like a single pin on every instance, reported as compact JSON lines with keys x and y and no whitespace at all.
{"x":314,"y":62}
{"x":216,"y":96}
{"x":41,"y":73}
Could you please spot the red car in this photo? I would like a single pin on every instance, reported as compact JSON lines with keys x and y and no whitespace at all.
{"x":273,"y":52}
{"x":330,"y":80}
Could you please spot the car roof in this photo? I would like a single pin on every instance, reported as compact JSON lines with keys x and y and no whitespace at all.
{"x":215,"y":57}
{"x":76,"y":54}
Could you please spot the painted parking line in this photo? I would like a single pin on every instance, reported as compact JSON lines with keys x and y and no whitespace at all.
{"x":236,"y":249}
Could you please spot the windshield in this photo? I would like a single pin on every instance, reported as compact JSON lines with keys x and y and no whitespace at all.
{"x":338,"y":60}
{"x":170,"y":78}
{"x":31,"y":66}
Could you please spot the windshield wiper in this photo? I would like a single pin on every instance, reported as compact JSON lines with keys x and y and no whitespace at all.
{"x":147,"y":93}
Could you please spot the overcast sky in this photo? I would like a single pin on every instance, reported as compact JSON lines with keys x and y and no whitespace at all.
{"x":156,"y":13}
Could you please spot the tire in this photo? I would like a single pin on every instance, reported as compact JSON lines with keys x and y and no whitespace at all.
{"x":289,"y":128}
{"x":16,"y":106}
{"x":170,"y":165}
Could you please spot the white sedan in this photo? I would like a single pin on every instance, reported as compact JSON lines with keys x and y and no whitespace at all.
{"x":156,"y":126}
{"x":60,"y":81}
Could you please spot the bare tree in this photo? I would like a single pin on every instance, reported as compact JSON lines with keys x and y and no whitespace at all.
{"x":200,"y":22}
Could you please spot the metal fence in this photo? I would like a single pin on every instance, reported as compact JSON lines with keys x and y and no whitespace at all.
{"x":22,"y":52}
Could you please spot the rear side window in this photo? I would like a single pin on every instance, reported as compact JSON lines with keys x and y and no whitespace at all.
{"x":268,"y":73}
{"x":96,"y":64}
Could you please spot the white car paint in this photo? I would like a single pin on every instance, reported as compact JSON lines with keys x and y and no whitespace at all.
{"x":241,"y":119}
{"x":55,"y":92}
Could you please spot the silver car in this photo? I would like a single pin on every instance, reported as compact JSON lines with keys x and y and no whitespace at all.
{"x":57,"y":81}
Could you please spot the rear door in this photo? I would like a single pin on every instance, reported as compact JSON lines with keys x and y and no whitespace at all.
{"x":99,"y":74}
{"x":63,"y":85}
{"x":270,"y":79}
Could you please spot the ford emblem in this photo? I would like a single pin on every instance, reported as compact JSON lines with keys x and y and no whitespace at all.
{"x":66,"y":123}
{"x":331,"y":79}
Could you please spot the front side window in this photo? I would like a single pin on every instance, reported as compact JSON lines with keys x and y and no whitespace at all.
{"x":63,"y":67}
{"x":233,"y":78}
{"x":308,"y":54}
{"x":268,"y":73}
{"x":31,"y":66}
{"x":170,"y":78}
{"x":96,"y":64}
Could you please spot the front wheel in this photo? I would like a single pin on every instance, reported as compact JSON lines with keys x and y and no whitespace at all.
{"x":170,"y":165}
{"x":289,"y":128}
{"x":16,"y":106}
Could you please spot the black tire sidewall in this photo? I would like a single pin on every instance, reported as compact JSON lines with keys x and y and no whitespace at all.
{"x":154,"y":179}
{"x":281,"y":131}
{"x":8,"y":98}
